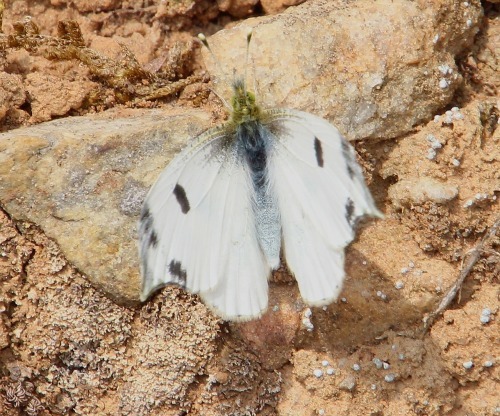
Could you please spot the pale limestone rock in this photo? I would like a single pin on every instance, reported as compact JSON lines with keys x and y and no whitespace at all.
{"x":371,"y":69}
{"x":83,"y":180}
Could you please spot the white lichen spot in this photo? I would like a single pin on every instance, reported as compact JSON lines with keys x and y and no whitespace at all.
{"x":389,"y":378}
{"x":435,"y":143}
{"x":276,"y":308}
{"x":445,"y":69}
{"x":457,"y":115}
{"x":318,"y":373}
{"x":401,"y":357}
{"x":306,"y":320}
{"x":444,"y":83}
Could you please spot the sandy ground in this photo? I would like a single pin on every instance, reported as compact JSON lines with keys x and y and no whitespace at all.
{"x":67,"y":348}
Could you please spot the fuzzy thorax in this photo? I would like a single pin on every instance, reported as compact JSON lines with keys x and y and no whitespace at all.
{"x":243,"y":103}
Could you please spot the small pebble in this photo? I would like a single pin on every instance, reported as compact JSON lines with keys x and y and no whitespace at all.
{"x":484,"y":319}
{"x":435,"y":39}
{"x":437,"y":118}
{"x":455,"y":162}
{"x":330,"y":371}
{"x":488,"y":363}
{"x":374,"y":387}
{"x":389,"y":378}
{"x":307,"y":324}
{"x":325,"y":363}
{"x":318,"y":373}
{"x":401,"y":357}
{"x":469,"y":23}
{"x":386,"y":365}
{"x":276,"y":308}
{"x":308,"y":313}
{"x":405,"y":270}
{"x":321,"y":412}
{"x":348,"y":384}
{"x":468,"y":365}
{"x":399,"y":285}
{"x":343,"y":300}
{"x":378,"y":363}
{"x":486,"y":312}
{"x":356,"y":367}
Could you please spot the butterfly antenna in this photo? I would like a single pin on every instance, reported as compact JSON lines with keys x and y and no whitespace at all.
{"x":204,"y":40}
{"x":249,"y":38}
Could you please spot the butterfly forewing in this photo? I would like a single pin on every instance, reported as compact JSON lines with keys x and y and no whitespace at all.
{"x":197,"y":230}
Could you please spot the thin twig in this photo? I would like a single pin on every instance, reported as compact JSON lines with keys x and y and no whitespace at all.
{"x":473,"y":257}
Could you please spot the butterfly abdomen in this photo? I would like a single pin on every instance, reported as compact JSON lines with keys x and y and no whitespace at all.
{"x":253,"y":141}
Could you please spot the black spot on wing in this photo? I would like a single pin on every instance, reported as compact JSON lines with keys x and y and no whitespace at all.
{"x":318,"y":150}
{"x":146,"y":220}
{"x":153,"y":239}
{"x":180,"y":195}
{"x":349,"y":211}
{"x":176,"y":270}
{"x":349,"y":160}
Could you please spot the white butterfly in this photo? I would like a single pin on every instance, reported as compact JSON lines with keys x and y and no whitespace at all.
{"x":220,"y":213}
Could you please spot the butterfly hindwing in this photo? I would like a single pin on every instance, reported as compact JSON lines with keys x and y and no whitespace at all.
{"x":321,"y":193}
{"x":197,"y":230}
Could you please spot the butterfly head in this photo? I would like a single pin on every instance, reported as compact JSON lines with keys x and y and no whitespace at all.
{"x":243,"y":104}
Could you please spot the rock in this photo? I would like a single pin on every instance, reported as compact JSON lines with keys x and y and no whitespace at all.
{"x":419,"y":190}
{"x":365,"y":67}
{"x":348,"y":383}
{"x":12,"y":94}
{"x":53,"y":96}
{"x":83,"y":179}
